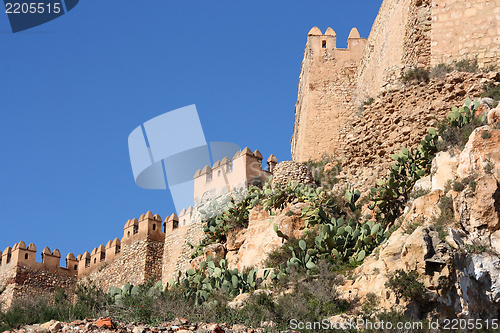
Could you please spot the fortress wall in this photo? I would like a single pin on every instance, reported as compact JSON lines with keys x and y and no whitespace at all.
{"x":400,"y":119}
{"x":177,"y":252}
{"x":31,"y":282}
{"x":26,"y":282}
{"x":137,"y":263}
{"x":417,"y":38}
{"x":425,"y":33}
{"x":327,"y":85}
{"x":383,"y":56}
{"x":466,"y":29}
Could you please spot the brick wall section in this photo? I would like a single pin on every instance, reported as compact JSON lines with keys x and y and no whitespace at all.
{"x":382,"y":57}
{"x":30,"y":282}
{"x":466,"y":28}
{"x":138,"y":262}
{"x":177,"y":252}
{"x":400,"y":119}
{"x":25,"y":282}
{"x":417,"y":41}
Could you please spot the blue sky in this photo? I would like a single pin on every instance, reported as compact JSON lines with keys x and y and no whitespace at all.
{"x":73,"y":89}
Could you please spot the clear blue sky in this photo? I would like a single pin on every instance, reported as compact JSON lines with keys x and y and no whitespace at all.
{"x":73,"y":89}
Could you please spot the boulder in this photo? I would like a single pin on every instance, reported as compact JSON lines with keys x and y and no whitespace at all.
{"x":479,"y":151}
{"x":494,"y":116}
{"x":480,"y":210}
{"x":444,"y":168}
{"x":260,"y":239}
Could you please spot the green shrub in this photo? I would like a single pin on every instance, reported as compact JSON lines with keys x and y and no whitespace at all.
{"x":321,"y":177}
{"x":459,"y":125}
{"x":492,"y":91}
{"x":371,"y":303}
{"x":390,"y":196}
{"x":369,"y":101}
{"x":406,"y":285}
{"x":415,"y":194}
{"x":488,"y":168}
{"x":467,"y":65}
{"x":458,"y":186}
{"x":415,"y":75}
{"x":283,"y":253}
{"x":91,"y":302}
{"x":477,"y":249}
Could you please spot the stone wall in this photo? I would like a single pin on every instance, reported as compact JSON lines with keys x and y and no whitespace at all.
{"x":399,"y":119}
{"x":405,"y":34}
{"x":139,"y":262}
{"x":327,"y":84}
{"x":417,"y":39}
{"x":177,"y":252}
{"x":289,"y":172}
{"x":382,"y":57}
{"x":26,"y":282}
{"x":466,"y":29}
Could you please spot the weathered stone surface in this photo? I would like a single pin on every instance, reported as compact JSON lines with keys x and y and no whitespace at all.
{"x":288,"y":171}
{"x":260,"y":238}
{"x":479,"y":151}
{"x":480,"y":209}
{"x":443,"y":169}
{"x":494,"y":116}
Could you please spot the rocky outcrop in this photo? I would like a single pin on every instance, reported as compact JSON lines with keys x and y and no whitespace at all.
{"x":251,"y":246}
{"x":456,"y":255}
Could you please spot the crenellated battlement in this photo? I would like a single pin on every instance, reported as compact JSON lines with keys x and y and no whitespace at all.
{"x":147,"y":227}
{"x":139,"y":254}
{"x":226,"y":175}
{"x":323,"y":47}
{"x":21,"y":256}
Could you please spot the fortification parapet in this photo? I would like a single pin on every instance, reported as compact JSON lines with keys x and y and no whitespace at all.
{"x":327,"y":84}
{"x":113,"y":249}
{"x":21,"y":255}
{"x":171,"y":223}
{"x":147,"y":227}
{"x":186,"y":216}
{"x":226,"y":175}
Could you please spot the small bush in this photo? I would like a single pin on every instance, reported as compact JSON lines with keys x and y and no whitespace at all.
{"x":440,"y":71}
{"x":488,"y":168}
{"x":477,"y":249}
{"x":419,"y":193}
{"x":492,"y":91}
{"x":369,"y":101}
{"x":283,"y":253}
{"x":415,"y":75}
{"x":453,"y":137}
{"x":485,"y":135}
{"x":467,"y":65}
{"x":325,"y":179}
{"x":446,"y":217}
{"x":371,"y":303}
{"x":458,"y":186}
{"x":406,"y":285}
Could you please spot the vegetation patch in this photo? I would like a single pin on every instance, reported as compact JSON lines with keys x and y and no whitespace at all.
{"x":415,"y":75}
{"x":492,"y":90}
{"x":459,"y":125}
{"x":406,"y":285}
